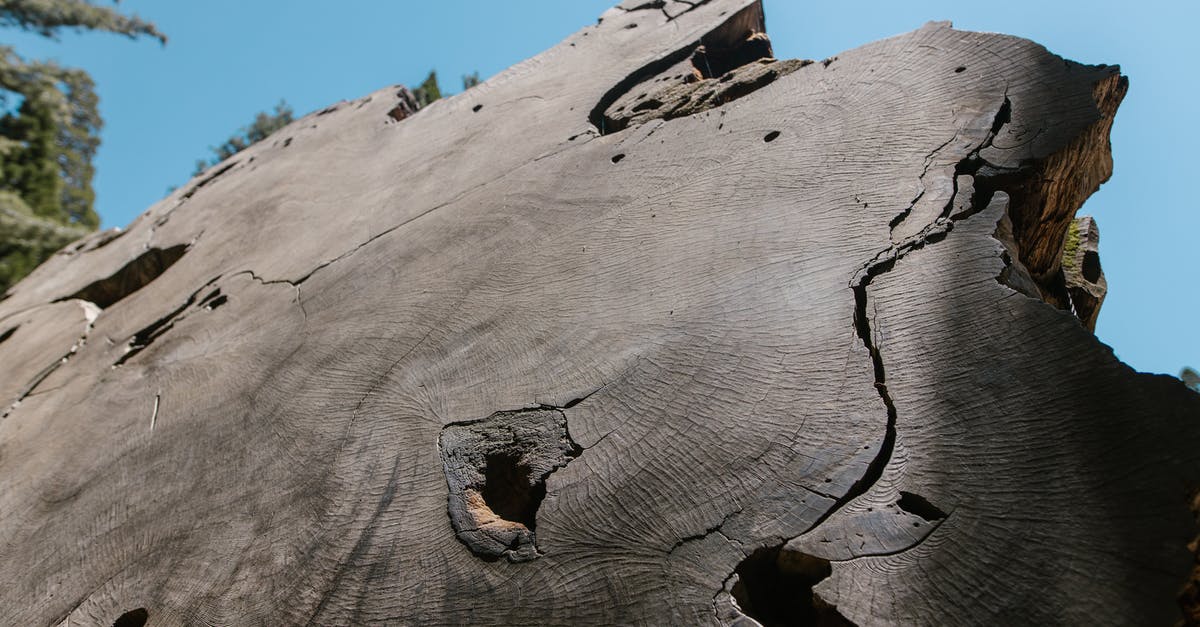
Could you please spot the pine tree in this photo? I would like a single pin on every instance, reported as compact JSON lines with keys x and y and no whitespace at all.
{"x":49,"y":135}
{"x":428,"y":91}
{"x":29,"y":168}
{"x":78,"y":141}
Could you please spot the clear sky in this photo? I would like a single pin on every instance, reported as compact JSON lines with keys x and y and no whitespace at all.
{"x":228,"y":59}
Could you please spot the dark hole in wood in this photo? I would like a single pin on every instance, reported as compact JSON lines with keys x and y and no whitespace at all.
{"x":648,"y":104}
{"x":510,"y":491}
{"x":770,"y":137}
{"x":496,"y":472}
{"x":7,"y":333}
{"x":132,"y":618}
{"x":724,"y":52}
{"x":217,"y":302}
{"x":960,"y":69}
{"x":476,"y":108}
{"x":775,"y":588}
{"x":917,"y":505}
{"x":213,"y":295}
{"x":1091,"y":266}
{"x":617,"y":158}
{"x":132,"y":277}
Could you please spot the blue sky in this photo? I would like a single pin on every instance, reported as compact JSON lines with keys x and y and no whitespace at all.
{"x":227,"y":59}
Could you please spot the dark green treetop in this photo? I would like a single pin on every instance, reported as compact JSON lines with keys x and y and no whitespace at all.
{"x":428,"y":91}
{"x":49,"y":132}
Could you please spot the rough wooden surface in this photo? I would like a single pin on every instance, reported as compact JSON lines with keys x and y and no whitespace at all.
{"x":804,"y":353}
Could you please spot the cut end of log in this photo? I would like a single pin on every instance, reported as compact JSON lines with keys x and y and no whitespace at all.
{"x":811,"y":402}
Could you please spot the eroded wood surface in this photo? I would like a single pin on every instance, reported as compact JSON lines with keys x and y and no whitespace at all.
{"x":786,"y":342}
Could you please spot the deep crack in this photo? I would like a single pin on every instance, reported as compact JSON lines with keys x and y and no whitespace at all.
{"x":90,"y":313}
{"x":146,"y":336}
{"x":883,"y":261}
{"x":707,"y":532}
{"x":965,"y":200}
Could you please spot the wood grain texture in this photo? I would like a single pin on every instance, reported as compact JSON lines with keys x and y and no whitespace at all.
{"x":768,"y":361}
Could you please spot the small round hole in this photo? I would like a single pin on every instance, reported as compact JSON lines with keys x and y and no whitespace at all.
{"x":770,"y":137}
{"x":132,"y":618}
{"x":617,"y":158}
{"x":1091,"y":266}
{"x":476,"y":108}
{"x":960,"y":69}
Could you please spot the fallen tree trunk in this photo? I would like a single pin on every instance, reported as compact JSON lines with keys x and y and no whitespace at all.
{"x":651,"y":328}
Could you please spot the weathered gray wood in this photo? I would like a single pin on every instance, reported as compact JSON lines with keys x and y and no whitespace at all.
{"x":767,"y":359}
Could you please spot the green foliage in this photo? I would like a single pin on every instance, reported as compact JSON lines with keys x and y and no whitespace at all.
{"x":266,"y":123}
{"x":263,"y":125}
{"x":28,"y":168}
{"x":77,"y":141}
{"x":1191,"y":378}
{"x":26,"y":240}
{"x":49,"y":17}
{"x":1070,"y":246}
{"x":49,"y":142}
{"x":51,"y":139}
{"x":428,"y":91}
{"x":49,"y":134}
